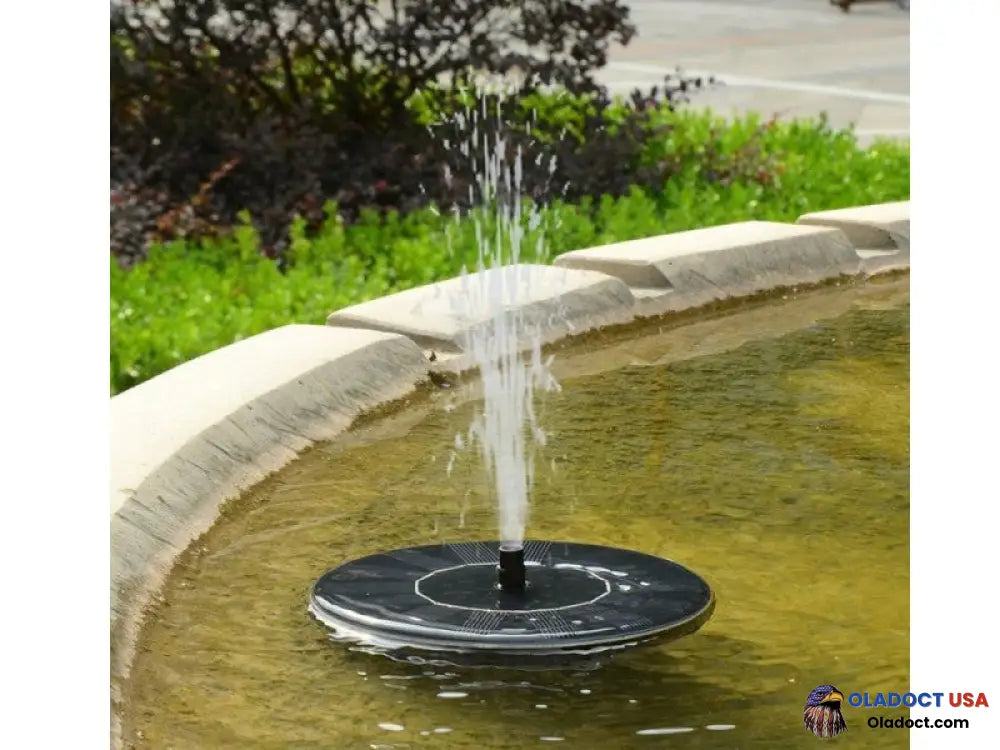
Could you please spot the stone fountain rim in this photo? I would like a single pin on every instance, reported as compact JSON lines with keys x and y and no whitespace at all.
{"x":186,"y":441}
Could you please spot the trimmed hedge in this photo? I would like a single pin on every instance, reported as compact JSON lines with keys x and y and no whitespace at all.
{"x":190,"y":297}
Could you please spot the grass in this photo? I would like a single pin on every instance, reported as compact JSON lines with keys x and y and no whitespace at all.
{"x":191,"y":297}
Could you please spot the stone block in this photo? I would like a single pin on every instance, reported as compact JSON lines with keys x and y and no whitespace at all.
{"x":554,"y":301}
{"x":688,"y":269}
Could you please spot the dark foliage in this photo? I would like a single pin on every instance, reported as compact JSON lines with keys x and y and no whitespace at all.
{"x":223,"y":105}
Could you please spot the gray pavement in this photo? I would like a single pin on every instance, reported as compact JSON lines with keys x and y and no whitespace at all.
{"x":794,"y":58}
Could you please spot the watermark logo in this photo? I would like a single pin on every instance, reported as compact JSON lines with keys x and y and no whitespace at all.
{"x":822,"y":715}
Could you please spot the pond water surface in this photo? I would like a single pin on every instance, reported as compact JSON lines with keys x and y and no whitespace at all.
{"x":772,"y":460}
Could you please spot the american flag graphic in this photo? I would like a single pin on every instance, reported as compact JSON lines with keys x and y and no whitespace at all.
{"x":824,"y":721}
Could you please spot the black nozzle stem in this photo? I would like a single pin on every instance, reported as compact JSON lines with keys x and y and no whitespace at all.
{"x":510,"y":571}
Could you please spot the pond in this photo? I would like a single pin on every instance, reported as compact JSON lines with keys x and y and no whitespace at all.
{"x":765,"y":449}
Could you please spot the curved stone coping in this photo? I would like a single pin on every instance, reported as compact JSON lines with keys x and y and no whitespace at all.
{"x":558,"y":301}
{"x":680,"y":271}
{"x":880,"y":233}
{"x":885,"y":225}
{"x":211,"y":428}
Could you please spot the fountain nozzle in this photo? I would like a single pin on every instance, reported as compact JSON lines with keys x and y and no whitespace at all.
{"x":510,"y":571}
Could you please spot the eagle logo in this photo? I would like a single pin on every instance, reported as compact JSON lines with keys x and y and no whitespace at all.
{"x":822,"y":715}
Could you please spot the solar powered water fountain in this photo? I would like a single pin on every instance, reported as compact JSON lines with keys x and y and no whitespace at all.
{"x":511,"y":596}
{"x":540,"y":598}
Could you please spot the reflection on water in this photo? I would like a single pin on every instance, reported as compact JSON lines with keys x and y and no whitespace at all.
{"x":777,"y":470}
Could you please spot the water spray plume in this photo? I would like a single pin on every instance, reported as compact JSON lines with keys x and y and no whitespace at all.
{"x":504,"y":347}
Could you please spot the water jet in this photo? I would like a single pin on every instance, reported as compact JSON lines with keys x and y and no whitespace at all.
{"x":476,"y":596}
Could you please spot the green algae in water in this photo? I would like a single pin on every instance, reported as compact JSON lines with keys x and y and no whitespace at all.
{"x":778,"y":471}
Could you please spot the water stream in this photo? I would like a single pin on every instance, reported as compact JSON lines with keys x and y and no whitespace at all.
{"x":506,"y":428}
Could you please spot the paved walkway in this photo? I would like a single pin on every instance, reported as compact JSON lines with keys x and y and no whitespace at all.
{"x":796,"y":58}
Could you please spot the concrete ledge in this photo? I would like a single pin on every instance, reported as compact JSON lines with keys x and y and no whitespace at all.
{"x":688,"y":269}
{"x":439,"y":316}
{"x":884,"y":225}
{"x":880,"y":233}
{"x":187,"y":440}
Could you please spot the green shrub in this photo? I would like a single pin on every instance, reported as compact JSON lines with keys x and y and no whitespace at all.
{"x":189,"y":298}
{"x":311,"y":99}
